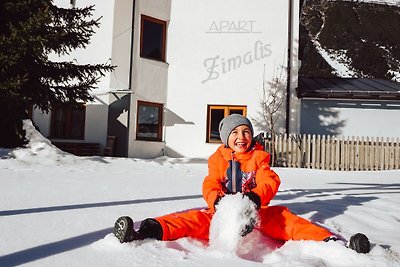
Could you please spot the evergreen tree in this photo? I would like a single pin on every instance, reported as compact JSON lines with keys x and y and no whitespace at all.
{"x":29,"y":31}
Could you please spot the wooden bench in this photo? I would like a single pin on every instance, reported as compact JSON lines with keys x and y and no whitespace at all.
{"x":79,"y":148}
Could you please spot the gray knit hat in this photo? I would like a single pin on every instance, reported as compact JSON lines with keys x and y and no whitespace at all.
{"x":229,"y":123}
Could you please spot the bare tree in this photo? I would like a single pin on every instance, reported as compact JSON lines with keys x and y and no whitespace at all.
{"x":272,"y":101}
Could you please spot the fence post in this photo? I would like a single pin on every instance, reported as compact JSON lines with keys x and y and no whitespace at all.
{"x":372,"y":153}
{"x":282,"y":140}
{"x":313,"y":151}
{"x":391,"y":154}
{"x":338,"y":141}
{"x":295,"y":151}
{"x":350,"y":153}
{"x":347,"y":147}
{"x":357,"y":154}
{"x":377,"y":152}
{"x":308,"y":151}
{"x":396,"y":153}
{"x":318,"y":153}
{"x":366,"y":154}
{"x":361,"y":154}
{"x":329,"y":152}
{"x":343,"y":153}
{"x":323,"y":149}
{"x":385,"y":147}
{"x":299,"y":150}
{"x":382,"y":148}
{"x":278,"y":146}
{"x":303,"y":151}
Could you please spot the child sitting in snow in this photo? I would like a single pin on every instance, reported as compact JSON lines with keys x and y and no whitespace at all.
{"x":240,"y":165}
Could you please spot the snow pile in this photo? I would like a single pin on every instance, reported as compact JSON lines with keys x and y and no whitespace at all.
{"x":234,"y":213}
{"x":39,"y":149}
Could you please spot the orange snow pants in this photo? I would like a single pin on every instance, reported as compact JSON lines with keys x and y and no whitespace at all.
{"x":275,"y":221}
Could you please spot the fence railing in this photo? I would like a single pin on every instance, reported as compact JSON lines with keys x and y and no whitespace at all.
{"x":335,"y":153}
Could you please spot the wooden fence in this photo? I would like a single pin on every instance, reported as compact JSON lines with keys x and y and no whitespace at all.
{"x":335,"y":153}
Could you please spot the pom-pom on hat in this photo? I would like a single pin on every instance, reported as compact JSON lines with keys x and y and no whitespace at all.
{"x":229,"y":123}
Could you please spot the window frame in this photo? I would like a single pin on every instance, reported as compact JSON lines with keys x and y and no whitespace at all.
{"x":227,"y":109}
{"x":164,"y":36}
{"x":160,"y":121}
{"x":67,"y":121}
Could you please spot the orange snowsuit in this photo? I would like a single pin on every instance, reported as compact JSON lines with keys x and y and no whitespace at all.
{"x":243,"y":172}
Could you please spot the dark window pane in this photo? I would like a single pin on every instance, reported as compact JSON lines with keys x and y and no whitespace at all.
{"x":216,"y":116}
{"x":57,"y":125}
{"x":68,"y":122}
{"x":152,"y":40}
{"x":235,"y":111}
{"x":77,"y":122}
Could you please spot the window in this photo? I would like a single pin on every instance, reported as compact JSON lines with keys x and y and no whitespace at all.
{"x":149,"y":121}
{"x":152,"y":38}
{"x":68,"y":122}
{"x":215,"y":113}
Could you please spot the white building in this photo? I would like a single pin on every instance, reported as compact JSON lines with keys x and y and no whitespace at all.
{"x":182,"y":65}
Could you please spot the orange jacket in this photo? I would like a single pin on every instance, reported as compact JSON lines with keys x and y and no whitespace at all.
{"x":229,"y":172}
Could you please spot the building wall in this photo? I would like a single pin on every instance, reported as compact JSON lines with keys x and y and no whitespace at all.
{"x":217,"y":52}
{"x":295,"y":103}
{"x":149,"y":78}
{"x":121,"y":44}
{"x":95,"y":122}
{"x":97,"y":52}
{"x":350,"y":118}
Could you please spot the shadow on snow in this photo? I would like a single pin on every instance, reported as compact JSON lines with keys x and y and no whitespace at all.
{"x":94,"y":205}
{"x":43,"y":251}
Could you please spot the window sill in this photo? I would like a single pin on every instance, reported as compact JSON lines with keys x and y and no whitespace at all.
{"x":155,"y":60}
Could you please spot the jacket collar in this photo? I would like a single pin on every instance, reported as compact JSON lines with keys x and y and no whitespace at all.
{"x":227,"y":152}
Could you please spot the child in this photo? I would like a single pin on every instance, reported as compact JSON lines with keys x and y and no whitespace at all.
{"x":238,"y":166}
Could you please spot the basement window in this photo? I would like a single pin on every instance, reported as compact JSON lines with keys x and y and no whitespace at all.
{"x":68,"y":122}
{"x":149,"y":121}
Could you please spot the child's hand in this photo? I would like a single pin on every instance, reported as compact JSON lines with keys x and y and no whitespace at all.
{"x":248,"y":228}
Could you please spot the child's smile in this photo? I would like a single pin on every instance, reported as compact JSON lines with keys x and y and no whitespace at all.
{"x":240,"y":139}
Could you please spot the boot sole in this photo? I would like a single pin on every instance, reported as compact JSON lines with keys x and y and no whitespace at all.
{"x":123,"y":228}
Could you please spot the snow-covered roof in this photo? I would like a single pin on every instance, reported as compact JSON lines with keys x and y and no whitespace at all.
{"x":348,"y":88}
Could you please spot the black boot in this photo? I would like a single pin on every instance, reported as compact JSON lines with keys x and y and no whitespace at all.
{"x":149,"y":228}
{"x":360,"y":243}
{"x":123,"y":230}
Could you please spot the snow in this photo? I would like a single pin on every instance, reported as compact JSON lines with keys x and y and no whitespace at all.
{"x":383,"y":2}
{"x":234,"y":212}
{"x":337,"y":60}
{"x":57,"y":209}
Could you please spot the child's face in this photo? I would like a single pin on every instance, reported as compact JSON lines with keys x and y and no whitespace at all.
{"x":240,"y":139}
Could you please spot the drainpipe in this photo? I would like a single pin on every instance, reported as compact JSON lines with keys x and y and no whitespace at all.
{"x":131,"y":51}
{"x":289,"y":64}
{"x":130,"y":77}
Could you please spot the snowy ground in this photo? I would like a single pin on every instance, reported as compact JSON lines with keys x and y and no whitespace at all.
{"x":58,"y":210}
